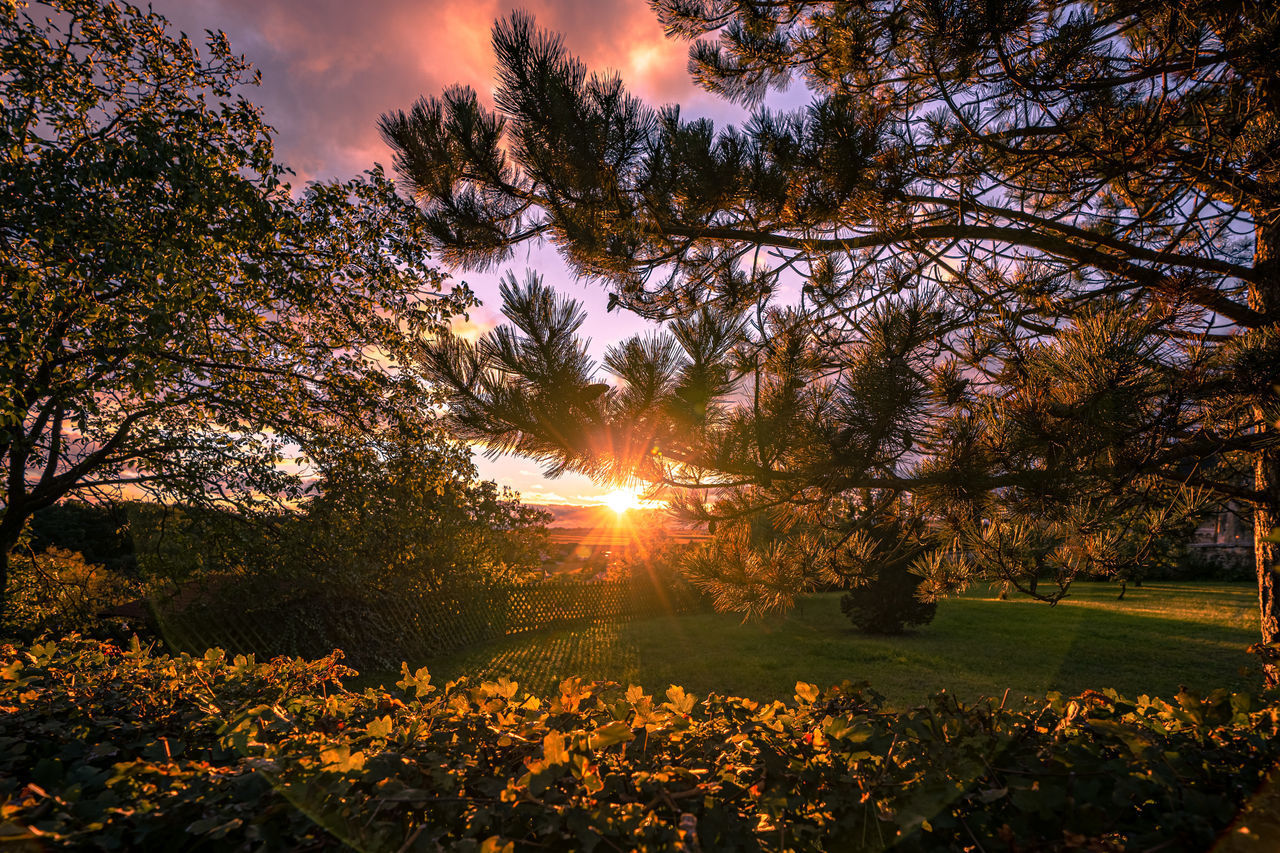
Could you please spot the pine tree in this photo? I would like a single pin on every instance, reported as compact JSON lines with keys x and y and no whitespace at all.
{"x":1036,"y":248}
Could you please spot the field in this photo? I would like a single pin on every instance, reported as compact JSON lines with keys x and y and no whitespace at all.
{"x":1160,"y":637}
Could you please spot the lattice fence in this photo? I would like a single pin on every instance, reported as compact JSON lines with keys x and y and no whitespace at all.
{"x":378,"y":630}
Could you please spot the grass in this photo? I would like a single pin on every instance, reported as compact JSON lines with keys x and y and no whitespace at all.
{"x":1160,"y":637}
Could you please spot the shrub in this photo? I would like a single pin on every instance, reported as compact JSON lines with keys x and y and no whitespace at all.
{"x":98,"y":531}
{"x":399,"y":552}
{"x":1213,"y":562}
{"x":888,"y":603}
{"x":116,"y":748}
{"x":57,"y":591}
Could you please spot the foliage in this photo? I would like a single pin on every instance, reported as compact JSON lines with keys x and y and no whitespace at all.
{"x":57,"y":591}
{"x":100,"y":532}
{"x":175,"y":323}
{"x":176,"y":544}
{"x":759,"y":563}
{"x":409,"y":513}
{"x":1210,"y":563}
{"x":116,"y":747}
{"x":1041,"y":548}
{"x":397,"y":547}
{"x":753,"y":567}
{"x":1017,"y":262}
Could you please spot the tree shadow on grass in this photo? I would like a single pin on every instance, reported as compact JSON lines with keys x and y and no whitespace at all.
{"x":977,"y":647}
{"x":1137,"y":653}
{"x":980,"y":647}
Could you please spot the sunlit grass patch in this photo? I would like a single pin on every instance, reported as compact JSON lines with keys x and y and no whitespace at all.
{"x":1160,"y":637}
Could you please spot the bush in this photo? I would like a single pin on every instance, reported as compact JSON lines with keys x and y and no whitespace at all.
{"x":116,"y":748}
{"x":1213,"y":562}
{"x":57,"y":591}
{"x":398,"y":553}
{"x":888,"y":603}
{"x":98,"y":531}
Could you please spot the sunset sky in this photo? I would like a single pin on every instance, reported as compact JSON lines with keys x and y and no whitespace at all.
{"x":331,"y":67}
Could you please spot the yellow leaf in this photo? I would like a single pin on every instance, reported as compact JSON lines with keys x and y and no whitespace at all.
{"x":380,"y":727}
{"x":553,"y":748}
{"x":610,"y":734}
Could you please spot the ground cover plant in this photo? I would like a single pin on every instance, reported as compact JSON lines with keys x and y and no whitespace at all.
{"x":110,"y":747}
{"x":1161,"y":636}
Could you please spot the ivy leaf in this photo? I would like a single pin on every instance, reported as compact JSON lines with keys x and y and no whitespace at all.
{"x":554,"y":750}
{"x":610,"y":734}
{"x":679,"y":701}
{"x":806,"y":693}
{"x":340,"y":759}
{"x":419,"y":681}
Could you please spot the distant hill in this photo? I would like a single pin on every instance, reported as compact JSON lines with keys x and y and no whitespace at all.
{"x":571,"y":515}
{"x":567,"y":515}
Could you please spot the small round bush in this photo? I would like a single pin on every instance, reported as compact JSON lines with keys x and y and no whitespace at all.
{"x":887,"y":604}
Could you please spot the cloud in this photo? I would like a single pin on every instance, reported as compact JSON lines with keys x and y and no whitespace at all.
{"x":540,"y":497}
{"x":331,"y":67}
{"x":479,"y":322}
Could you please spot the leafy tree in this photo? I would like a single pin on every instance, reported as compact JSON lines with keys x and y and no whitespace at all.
{"x":399,"y":550}
{"x":100,"y":533}
{"x":174,"y":323}
{"x":409,"y":513}
{"x":1012,"y":259}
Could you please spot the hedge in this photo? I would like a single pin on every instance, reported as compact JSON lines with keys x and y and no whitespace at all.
{"x":117,"y":748}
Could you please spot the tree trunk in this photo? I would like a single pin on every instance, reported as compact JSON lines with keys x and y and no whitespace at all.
{"x":1265,"y":297}
{"x":1265,"y":553}
{"x":11,"y":524}
{"x":4,"y":581}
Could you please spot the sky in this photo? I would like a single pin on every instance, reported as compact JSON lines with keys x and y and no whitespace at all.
{"x":330,"y":68}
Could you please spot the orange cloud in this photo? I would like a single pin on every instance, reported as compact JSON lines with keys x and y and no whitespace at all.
{"x":478,"y":322}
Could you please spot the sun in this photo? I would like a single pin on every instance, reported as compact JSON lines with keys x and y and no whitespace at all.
{"x":622,"y":499}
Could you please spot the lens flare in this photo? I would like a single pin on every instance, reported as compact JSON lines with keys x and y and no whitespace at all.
{"x":622,"y":499}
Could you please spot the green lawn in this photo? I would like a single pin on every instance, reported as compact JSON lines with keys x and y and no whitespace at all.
{"x":1160,"y":637}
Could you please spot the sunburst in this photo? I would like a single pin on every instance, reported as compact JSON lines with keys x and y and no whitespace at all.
{"x":622,"y":499}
